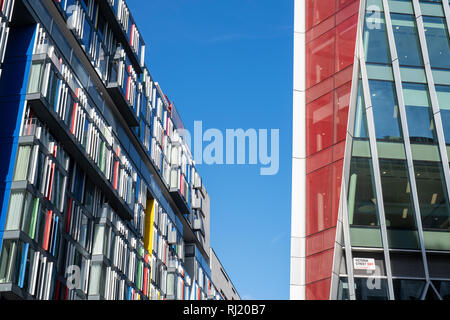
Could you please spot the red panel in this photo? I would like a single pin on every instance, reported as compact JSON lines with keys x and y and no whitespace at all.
{"x":341,"y":104}
{"x":319,"y":160}
{"x":319,"y":290}
{"x":330,"y":48}
{"x":318,"y":200}
{"x":320,"y":29}
{"x":318,"y":11}
{"x":319,"y":266}
{"x":319,"y":61}
{"x":344,"y":3}
{"x":321,"y":241}
{"x":319,"y":90}
{"x":319,"y":125}
{"x":345,"y":42}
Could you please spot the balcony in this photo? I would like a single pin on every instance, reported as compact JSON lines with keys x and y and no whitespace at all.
{"x":59,"y":131}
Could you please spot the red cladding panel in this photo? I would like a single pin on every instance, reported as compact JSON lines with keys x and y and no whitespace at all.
{"x":318,"y":200}
{"x":319,"y":290}
{"x":319,"y":125}
{"x":330,"y":47}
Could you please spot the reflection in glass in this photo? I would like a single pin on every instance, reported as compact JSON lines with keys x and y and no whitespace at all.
{"x":385,"y":110}
{"x":362,"y":209}
{"x":406,"y":40}
{"x":371,"y":289}
{"x":443,"y":287}
{"x":376,"y":46}
{"x":343,"y":290}
{"x":360,"y":117}
{"x":418,"y":112}
{"x":443,"y":95}
{"x":433,"y":198}
{"x":438,"y":41}
{"x":397,"y":197}
{"x":408,"y":289}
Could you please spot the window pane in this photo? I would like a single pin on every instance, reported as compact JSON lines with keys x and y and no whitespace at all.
{"x":371,"y":289}
{"x":385,"y":110}
{"x":35,"y":78}
{"x":437,"y":41}
{"x":434,"y":207}
{"x":443,"y":94}
{"x":15,"y":210}
{"x":397,"y":197}
{"x":418,"y":111}
{"x":362,"y":209}
{"x":376,"y":47}
{"x":23,"y":157}
{"x":407,"y":40}
{"x":8,"y":261}
{"x":408,"y":289}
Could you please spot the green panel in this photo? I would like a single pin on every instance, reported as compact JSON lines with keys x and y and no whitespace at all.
{"x":437,"y":240}
{"x":391,"y":150}
{"x":399,"y":6}
{"x":365,"y":237}
{"x":431,"y":9}
{"x":403,"y":239}
{"x":361,"y":148}
{"x":379,"y":72}
{"x":441,"y":77}
{"x":423,"y":152}
{"x":410,"y":74}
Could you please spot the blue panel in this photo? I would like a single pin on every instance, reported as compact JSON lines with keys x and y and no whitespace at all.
{"x":13,"y":84}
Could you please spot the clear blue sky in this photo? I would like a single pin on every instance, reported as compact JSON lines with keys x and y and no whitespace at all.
{"x":229,"y":64}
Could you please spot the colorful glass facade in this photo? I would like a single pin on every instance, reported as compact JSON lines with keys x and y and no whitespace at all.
{"x":371,"y":159}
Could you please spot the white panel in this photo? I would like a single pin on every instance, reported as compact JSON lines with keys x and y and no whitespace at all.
{"x":299,"y":11}
{"x":297,"y":292}
{"x":298,"y":246}
{"x":298,"y":219}
{"x":298,"y":267}
{"x":299,"y":126}
{"x":299,"y":62}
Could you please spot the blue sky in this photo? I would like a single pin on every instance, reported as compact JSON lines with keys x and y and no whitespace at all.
{"x":229,"y":64}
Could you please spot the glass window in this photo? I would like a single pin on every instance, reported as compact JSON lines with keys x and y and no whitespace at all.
{"x":398,"y":203}
{"x":360,"y":117}
{"x":23,"y":158}
{"x":443,"y":94}
{"x":401,"y":6}
{"x":433,"y":197}
{"x":418,"y":111}
{"x":8,"y":264}
{"x":407,"y":40}
{"x":15,"y":209}
{"x":376,"y":46}
{"x":438,"y":42}
{"x":385,"y":110}
{"x":343,"y":290}
{"x":443,"y":287}
{"x":408,"y":289}
{"x":362,"y":208}
{"x":34,"y":84}
{"x":431,"y":8}
{"x":371,"y":289}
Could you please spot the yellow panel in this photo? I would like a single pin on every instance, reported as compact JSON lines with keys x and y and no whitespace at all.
{"x":149,"y":220}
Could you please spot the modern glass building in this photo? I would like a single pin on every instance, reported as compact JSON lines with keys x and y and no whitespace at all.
{"x":371,"y":178}
{"x":99,"y":194}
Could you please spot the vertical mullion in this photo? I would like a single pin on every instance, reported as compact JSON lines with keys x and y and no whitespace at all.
{"x":447,"y":13}
{"x":405,"y":132}
{"x":376,"y":167}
